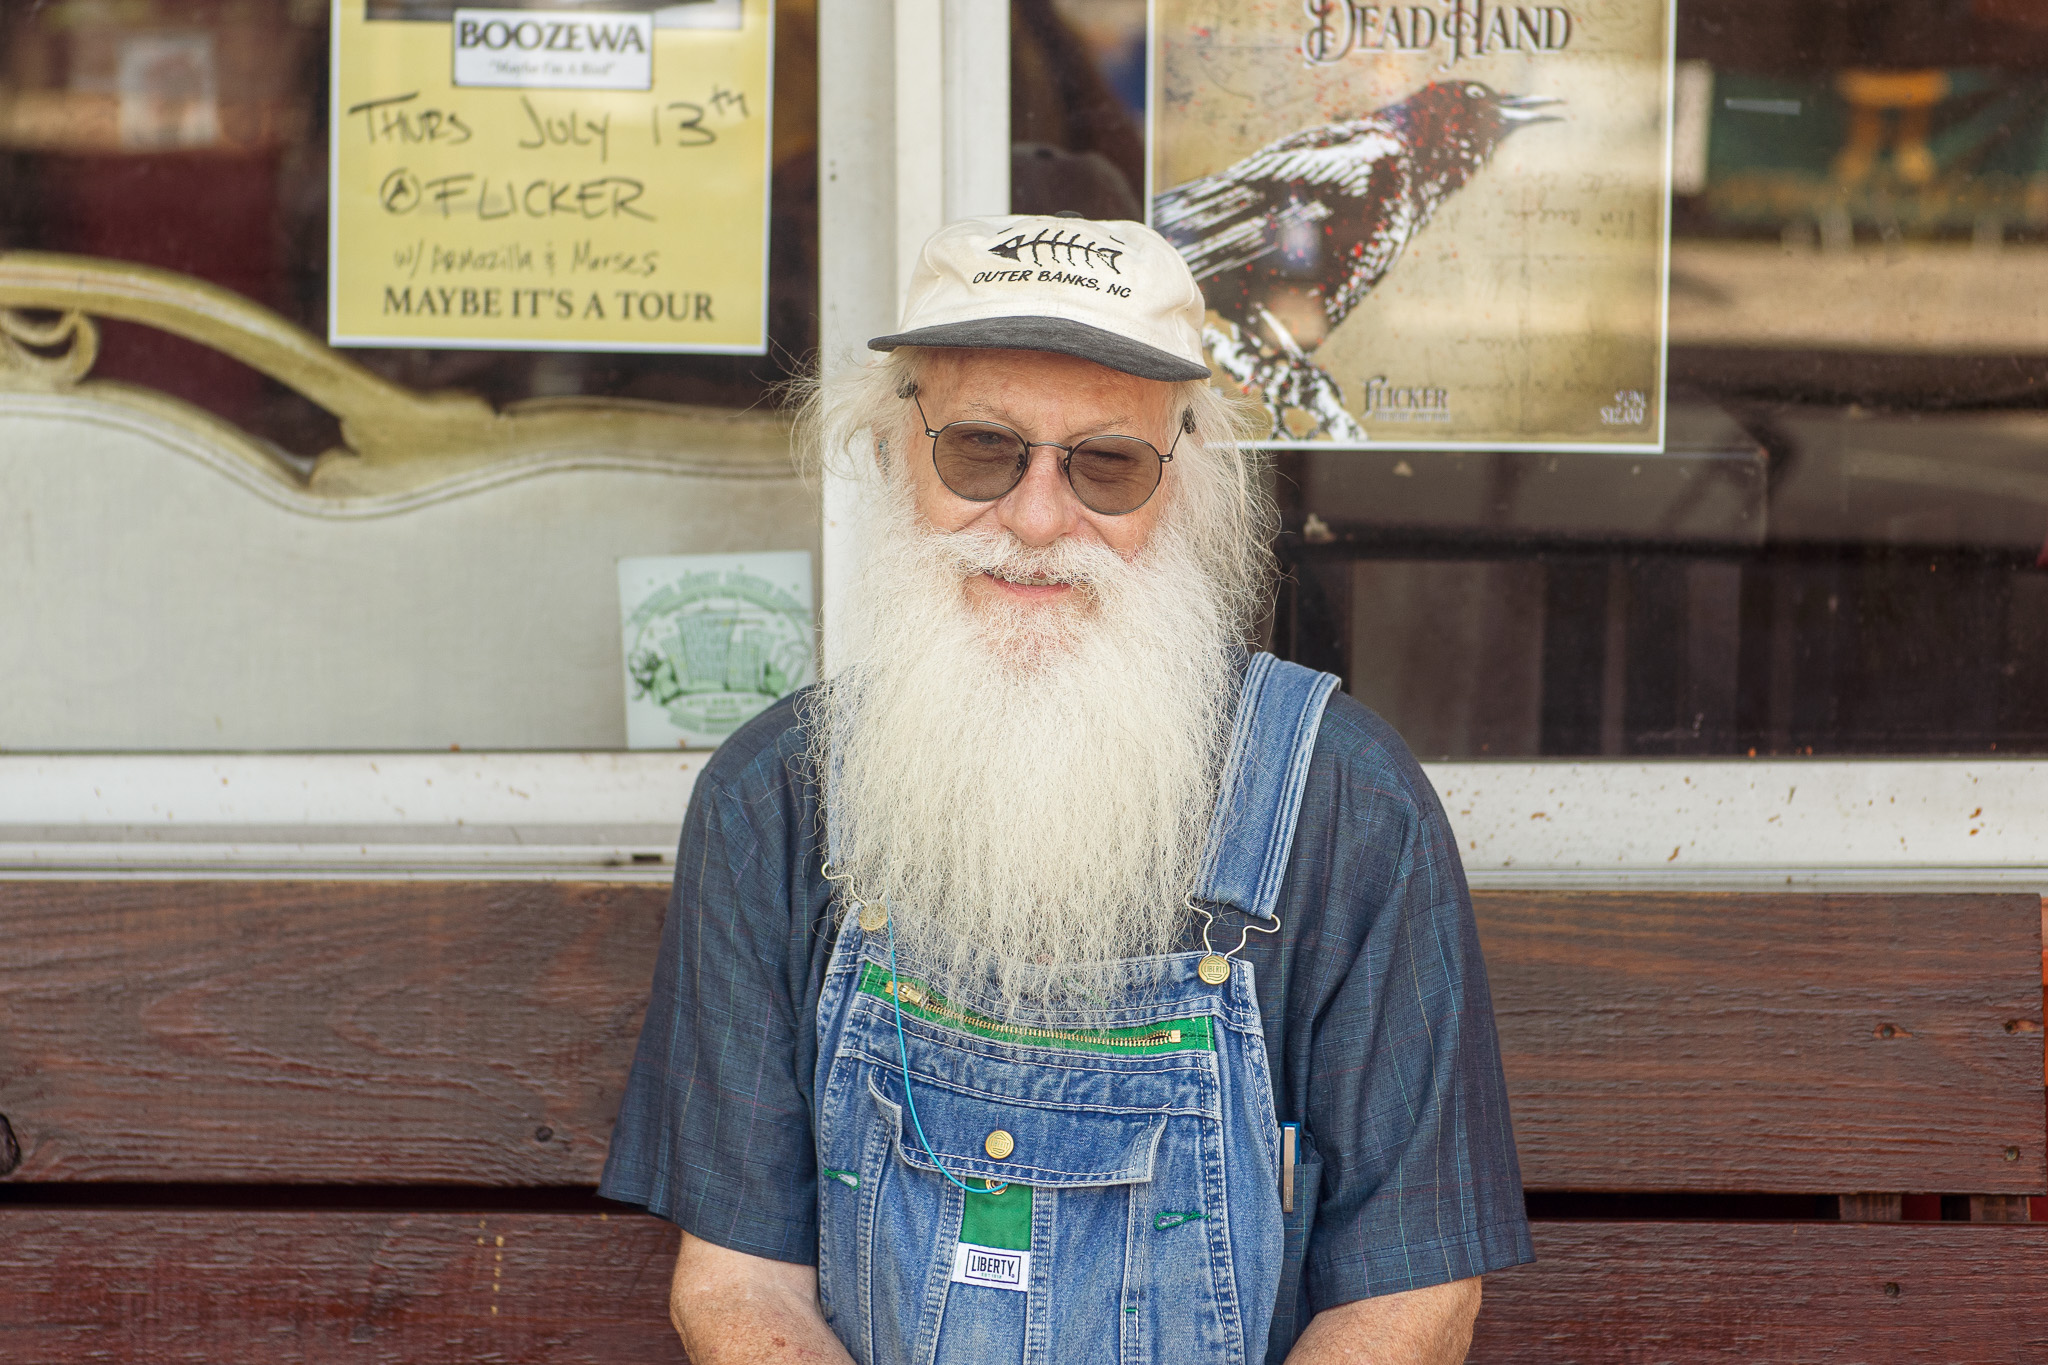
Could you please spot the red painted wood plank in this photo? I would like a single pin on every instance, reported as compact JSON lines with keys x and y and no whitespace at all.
{"x":1788,"y":1293}
{"x":321,"y":1032}
{"x":1796,"y":1043}
{"x":225,"y":1288}
{"x":220,"y":1288}
{"x":479,"y":1033}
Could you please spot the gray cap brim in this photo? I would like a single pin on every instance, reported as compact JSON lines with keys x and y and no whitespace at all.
{"x":1052,"y":334}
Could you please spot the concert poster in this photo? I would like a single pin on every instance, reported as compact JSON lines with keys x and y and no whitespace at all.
{"x":1434,"y":225}
{"x":550,"y":175}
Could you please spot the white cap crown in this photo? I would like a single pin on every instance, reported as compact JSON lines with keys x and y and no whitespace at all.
{"x":1116,"y":293}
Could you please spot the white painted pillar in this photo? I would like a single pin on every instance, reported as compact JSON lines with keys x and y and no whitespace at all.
{"x":977,"y":135}
{"x":921,"y":132}
{"x":856,"y":227}
{"x":913,"y":131}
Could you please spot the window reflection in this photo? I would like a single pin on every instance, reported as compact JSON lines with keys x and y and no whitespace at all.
{"x":1077,"y":113}
{"x":1842,"y":549}
{"x":445,"y":572}
{"x":192,"y":135}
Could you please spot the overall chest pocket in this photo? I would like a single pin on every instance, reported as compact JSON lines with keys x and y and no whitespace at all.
{"x":1058,"y":1109}
{"x":1001,"y":1139}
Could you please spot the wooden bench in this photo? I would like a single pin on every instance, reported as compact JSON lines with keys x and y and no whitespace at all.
{"x":274,"y":1121}
{"x":1856,"y":1048}
{"x":270,"y":1121}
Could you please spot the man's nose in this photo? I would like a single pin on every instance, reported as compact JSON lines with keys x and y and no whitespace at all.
{"x":1042,"y":507}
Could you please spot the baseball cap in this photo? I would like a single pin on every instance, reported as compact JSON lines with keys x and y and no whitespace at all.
{"x":1116,"y":293}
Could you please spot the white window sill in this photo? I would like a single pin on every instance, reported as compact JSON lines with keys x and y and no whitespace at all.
{"x":1751,"y":824}
{"x":1732,"y":824}
{"x":568,"y":816}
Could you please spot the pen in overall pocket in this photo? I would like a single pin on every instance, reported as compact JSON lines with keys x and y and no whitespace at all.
{"x":1287,"y":1141}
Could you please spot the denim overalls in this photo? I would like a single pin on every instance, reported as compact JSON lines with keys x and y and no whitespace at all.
{"x":1124,"y":1160}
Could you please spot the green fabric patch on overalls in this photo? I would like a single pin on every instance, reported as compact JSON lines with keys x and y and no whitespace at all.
{"x":1173,"y":1035}
{"x":1000,"y":1219}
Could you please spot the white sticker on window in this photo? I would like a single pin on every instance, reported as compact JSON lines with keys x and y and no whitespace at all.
{"x":991,"y":1266}
{"x":553,"y":50}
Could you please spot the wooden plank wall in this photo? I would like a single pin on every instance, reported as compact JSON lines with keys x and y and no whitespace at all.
{"x":262,"y":1288}
{"x":251,"y":1031}
{"x":279,"y":1288}
{"x":1793,"y":1043}
{"x":1787,"y":1293}
{"x":468,"y":1041}
{"x":320,"y":1032}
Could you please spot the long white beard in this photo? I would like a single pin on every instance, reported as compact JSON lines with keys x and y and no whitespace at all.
{"x":1029,"y":786}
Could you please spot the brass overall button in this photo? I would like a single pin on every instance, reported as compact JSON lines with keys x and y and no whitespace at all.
{"x":998,"y":1145}
{"x":874,"y":915}
{"x":1214,"y":969}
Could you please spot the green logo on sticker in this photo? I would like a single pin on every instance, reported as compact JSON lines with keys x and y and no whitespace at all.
{"x":714,"y":649}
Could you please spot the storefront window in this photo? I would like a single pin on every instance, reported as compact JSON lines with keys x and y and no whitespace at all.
{"x":218,"y":532}
{"x":193,"y":135}
{"x":1839,"y":547}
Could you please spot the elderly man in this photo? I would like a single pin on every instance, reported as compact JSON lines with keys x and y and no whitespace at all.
{"x":1060,"y":982}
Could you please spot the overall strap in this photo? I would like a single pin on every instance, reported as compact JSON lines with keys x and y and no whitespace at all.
{"x":1279,"y":712}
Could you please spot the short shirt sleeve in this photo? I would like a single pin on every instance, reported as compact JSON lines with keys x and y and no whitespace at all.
{"x":1392,"y":1059}
{"x":714,"y":1131}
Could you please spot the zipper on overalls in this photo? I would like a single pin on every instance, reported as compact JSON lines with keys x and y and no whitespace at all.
{"x":925,"y":1000}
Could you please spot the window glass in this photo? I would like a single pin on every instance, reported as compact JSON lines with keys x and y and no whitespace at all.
{"x":217,"y":532}
{"x":230,"y":186}
{"x":1841,"y":546}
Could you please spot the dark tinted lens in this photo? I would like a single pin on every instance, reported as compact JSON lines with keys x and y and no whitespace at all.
{"x":979,"y":461}
{"x":1114,"y":474}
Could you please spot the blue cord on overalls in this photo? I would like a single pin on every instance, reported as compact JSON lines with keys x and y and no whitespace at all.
{"x":903,"y":1052}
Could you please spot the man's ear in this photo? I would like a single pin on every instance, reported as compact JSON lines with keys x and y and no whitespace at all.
{"x":907,"y":390}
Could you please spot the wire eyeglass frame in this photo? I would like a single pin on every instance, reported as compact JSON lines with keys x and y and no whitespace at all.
{"x":1023,"y":465}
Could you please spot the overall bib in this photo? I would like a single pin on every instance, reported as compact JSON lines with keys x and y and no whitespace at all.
{"x":1123,"y":1160}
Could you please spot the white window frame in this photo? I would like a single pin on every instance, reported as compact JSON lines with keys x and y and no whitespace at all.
{"x":1719,"y":825}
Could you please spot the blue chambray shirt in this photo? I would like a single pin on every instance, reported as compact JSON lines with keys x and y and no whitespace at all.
{"x":1377,"y":1019}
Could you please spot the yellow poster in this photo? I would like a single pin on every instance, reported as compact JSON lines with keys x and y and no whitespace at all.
{"x":553,"y":176}
{"x":1440,"y":225}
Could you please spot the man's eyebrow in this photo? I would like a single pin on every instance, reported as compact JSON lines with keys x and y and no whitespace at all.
{"x":1120,"y":422}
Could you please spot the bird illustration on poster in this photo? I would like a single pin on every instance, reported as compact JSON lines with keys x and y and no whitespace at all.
{"x":1286,"y":242}
{"x":1437,"y":223}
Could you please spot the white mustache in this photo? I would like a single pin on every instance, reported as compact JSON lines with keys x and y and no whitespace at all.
{"x":1000,"y":553}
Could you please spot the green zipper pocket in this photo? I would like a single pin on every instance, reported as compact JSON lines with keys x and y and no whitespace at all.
{"x":1192,"y":1034}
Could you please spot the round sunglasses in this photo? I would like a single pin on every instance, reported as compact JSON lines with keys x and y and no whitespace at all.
{"x":982,"y":461}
